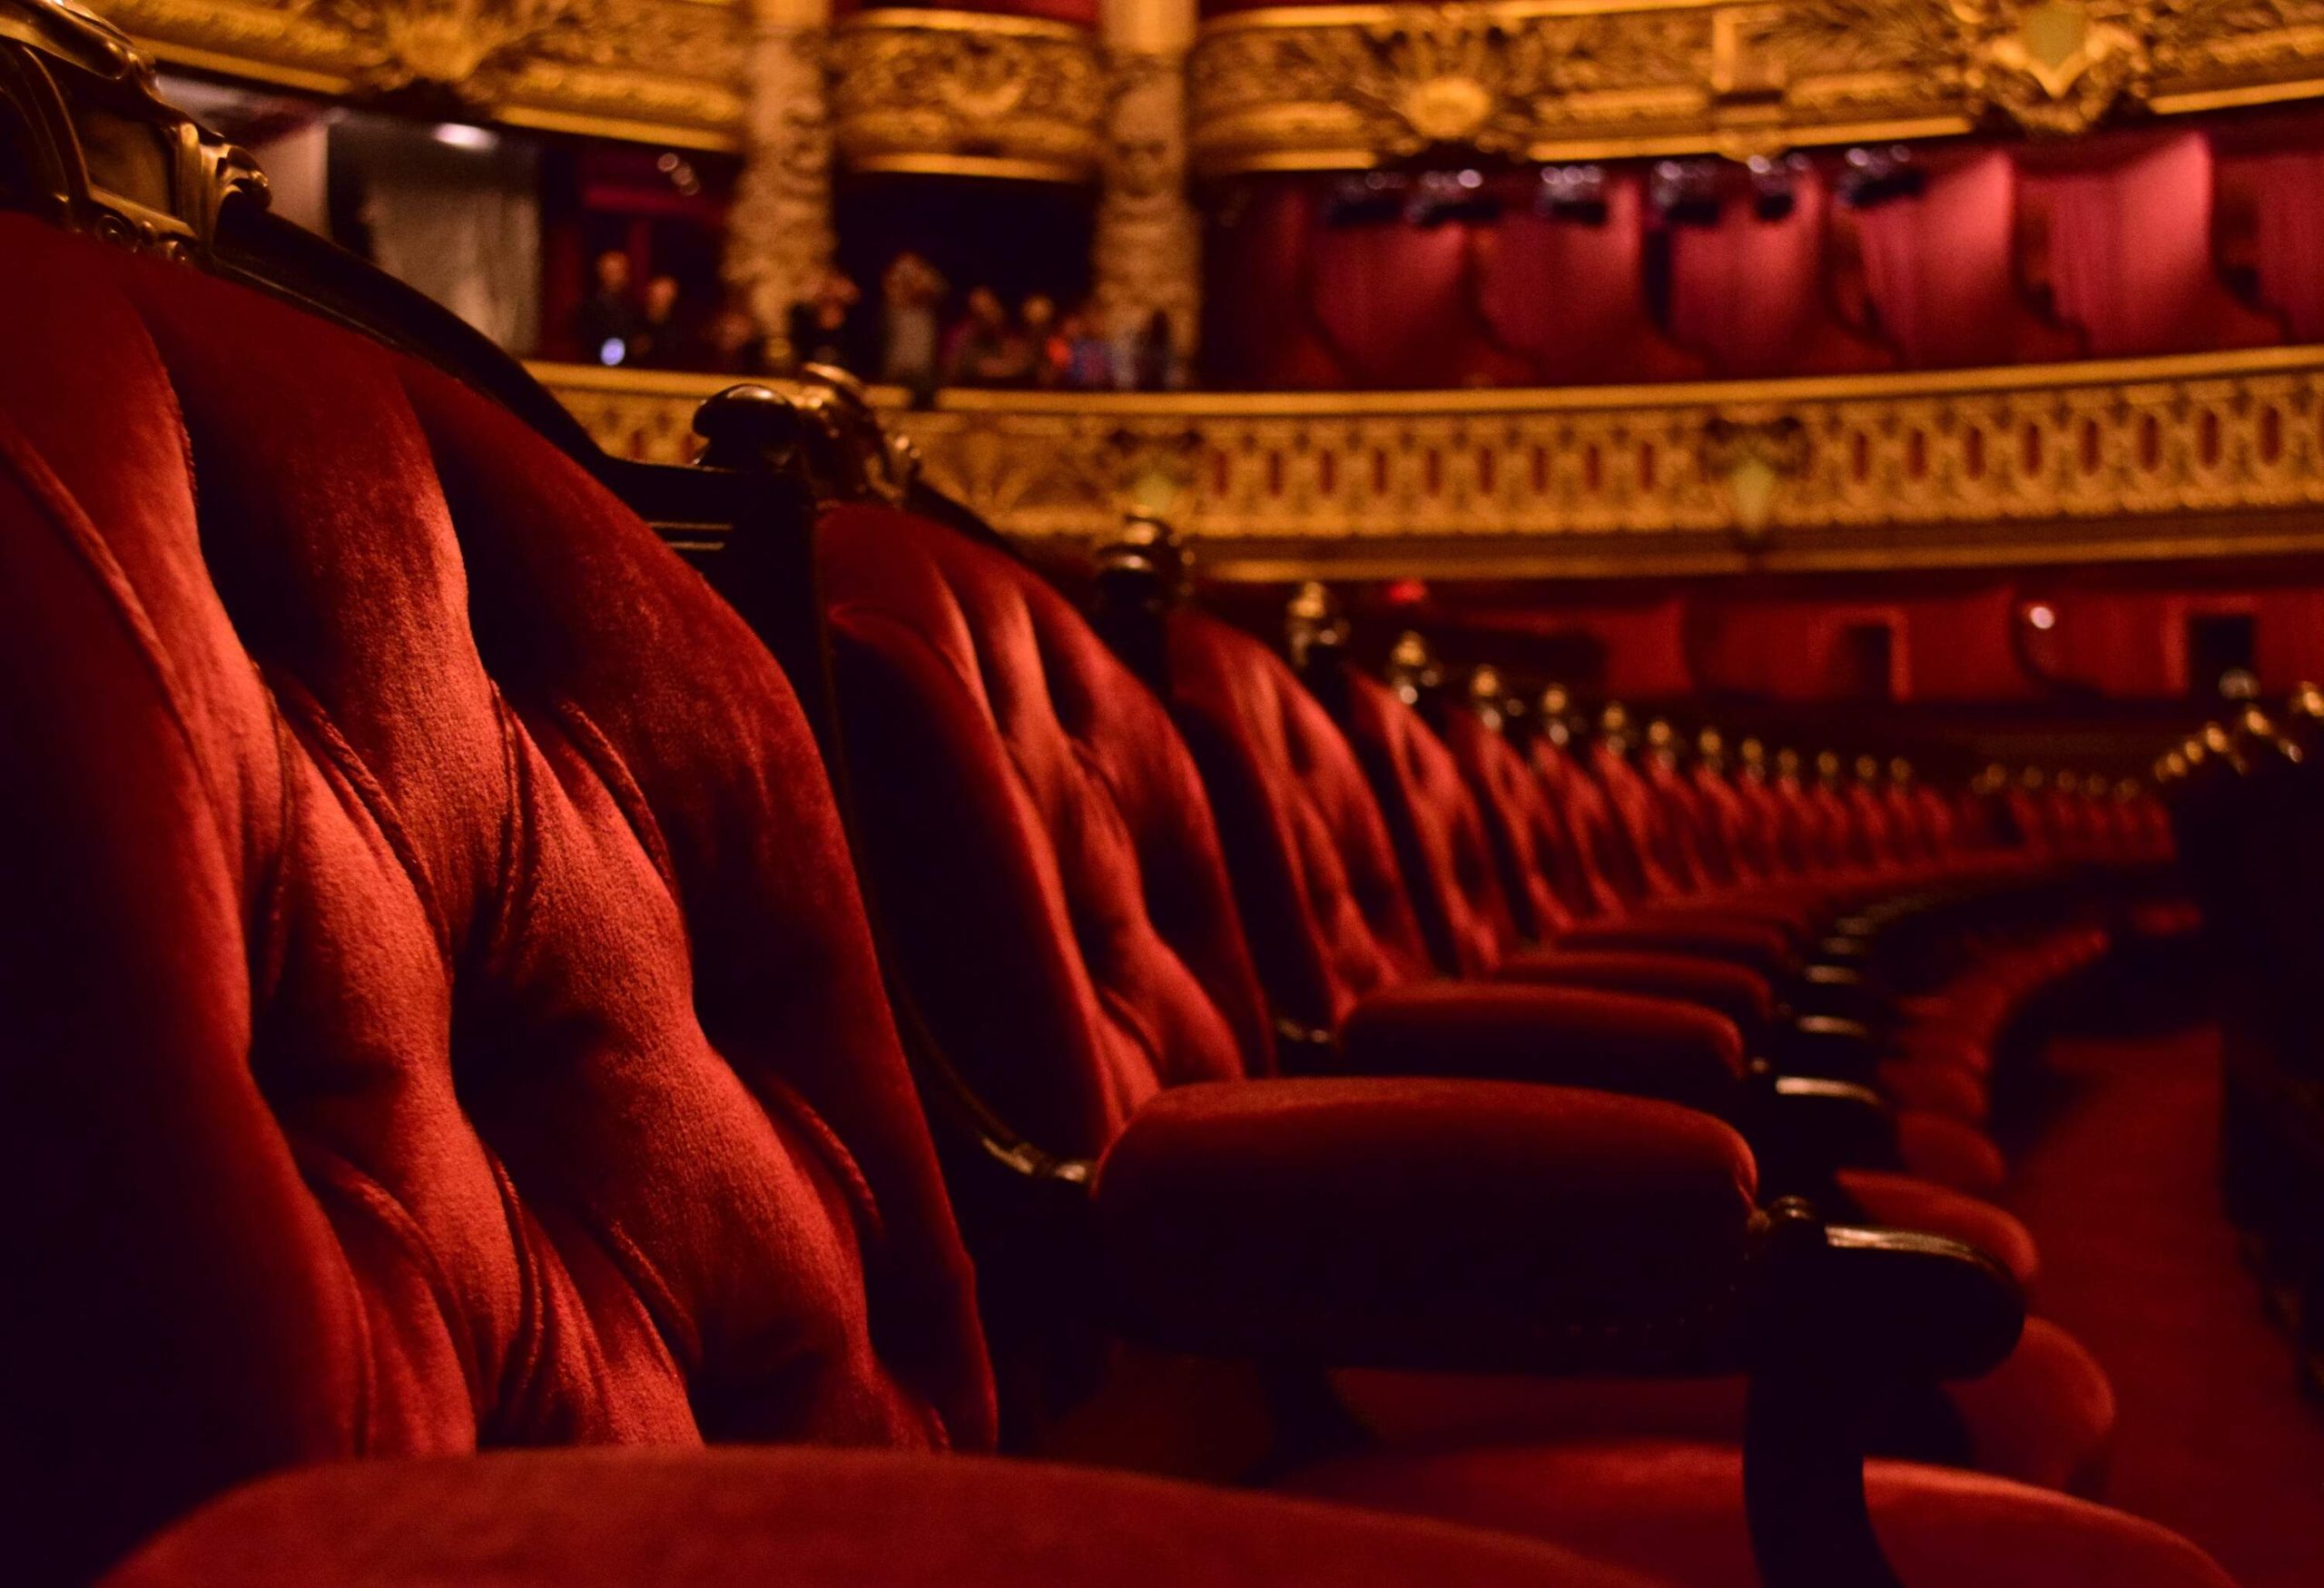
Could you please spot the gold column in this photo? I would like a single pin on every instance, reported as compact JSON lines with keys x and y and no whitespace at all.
{"x":779,"y":236}
{"x":1148,"y":248}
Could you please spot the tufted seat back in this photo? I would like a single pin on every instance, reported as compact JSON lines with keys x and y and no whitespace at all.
{"x":1540,"y":867}
{"x":1665,"y":867}
{"x":1734,"y":823}
{"x":1043,"y":848}
{"x":1611,"y":868}
{"x":1450,"y":867}
{"x":436,"y":1007}
{"x":1316,"y":870}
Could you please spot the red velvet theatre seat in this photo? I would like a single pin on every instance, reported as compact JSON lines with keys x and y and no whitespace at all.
{"x":439,"y":1017}
{"x":1339,"y":949}
{"x":1063,"y":916}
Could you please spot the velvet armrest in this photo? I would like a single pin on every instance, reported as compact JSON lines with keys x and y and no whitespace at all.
{"x":1560,"y":1036}
{"x":1742,"y":995}
{"x":803,"y":1518}
{"x":1428,"y":1224}
{"x":1675,"y":929}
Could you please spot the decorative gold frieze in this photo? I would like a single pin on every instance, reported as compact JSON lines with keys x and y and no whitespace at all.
{"x":2186,"y":456}
{"x":963,"y":93}
{"x":1345,"y":87}
{"x":669,"y":70}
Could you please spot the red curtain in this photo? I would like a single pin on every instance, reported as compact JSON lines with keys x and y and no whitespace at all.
{"x":1941,"y":270}
{"x":1571,"y":296}
{"x":1749,"y":294}
{"x":2288,"y":197}
{"x":2290,"y":639}
{"x":1395,"y":304}
{"x":1256,"y":322}
{"x":2130,"y":254}
{"x":1947,"y":645}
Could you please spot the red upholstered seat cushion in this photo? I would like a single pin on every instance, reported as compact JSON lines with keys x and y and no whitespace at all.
{"x":801,"y":1519}
{"x":1676,"y":1509}
{"x":2045,"y":1416}
{"x":436,"y":1003}
{"x":1043,"y":847}
{"x":1936,"y":1148}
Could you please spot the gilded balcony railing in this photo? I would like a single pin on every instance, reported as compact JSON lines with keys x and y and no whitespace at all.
{"x":2197,"y":454}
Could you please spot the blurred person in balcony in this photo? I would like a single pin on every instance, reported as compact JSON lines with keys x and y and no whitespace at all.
{"x":1045,"y":335}
{"x":606,"y":323}
{"x":910,"y":294}
{"x":824,"y":329}
{"x":1149,"y":360}
{"x":1089,"y":356}
{"x":661,"y":340}
{"x":987,"y":349}
{"x":732,"y":344}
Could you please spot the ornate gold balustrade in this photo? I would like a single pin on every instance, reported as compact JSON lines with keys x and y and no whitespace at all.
{"x":1336,"y":86}
{"x":2197,"y":456}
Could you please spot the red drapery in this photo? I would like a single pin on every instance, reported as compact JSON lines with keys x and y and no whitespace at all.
{"x":2287,"y":196}
{"x":1748,"y":294}
{"x":2130,"y":254}
{"x":1943,"y":646}
{"x":1395,"y":304}
{"x":1571,"y":296}
{"x":1941,"y":270}
{"x":1257,"y":322}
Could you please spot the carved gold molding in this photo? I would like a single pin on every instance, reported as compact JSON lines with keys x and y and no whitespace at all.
{"x":2199,"y":455}
{"x":1348,"y":86}
{"x":959,"y":92}
{"x":666,"y":71}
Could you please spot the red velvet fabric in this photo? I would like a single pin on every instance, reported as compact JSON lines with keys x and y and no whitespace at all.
{"x":1040,"y":836}
{"x":1742,"y":996}
{"x":1676,"y":1509}
{"x":1532,"y":847}
{"x":1394,"y":303}
{"x":1316,"y":870}
{"x":1570,"y":295}
{"x":1750,"y":295}
{"x":2045,"y":1416}
{"x":1427,"y":1224}
{"x":1448,"y":859}
{"x":435,"y":1018}
{"x":2129,"y":253}
{"x":650,"y":1519}
{"x":1565,"y":1036}
{"x":1258,"y":267}
{"x":1941,"y":270}
{"x":2288,"y":191}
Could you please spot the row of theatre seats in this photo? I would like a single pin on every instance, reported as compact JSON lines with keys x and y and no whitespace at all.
{"x":493,"y":1010}
{"x":2242,"y":797}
